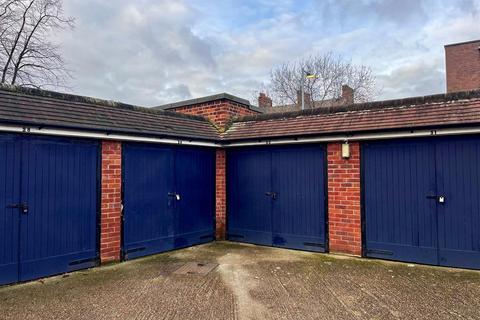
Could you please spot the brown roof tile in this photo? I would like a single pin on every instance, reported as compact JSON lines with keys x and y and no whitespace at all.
{"x":461,"y":108}
{"x":46,"y":108}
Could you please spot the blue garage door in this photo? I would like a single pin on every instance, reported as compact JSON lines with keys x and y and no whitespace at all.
{"x":48,"y":206}
{"x":169,"y":198}
{"x":421,"y":200}
{"x":276,"y":196}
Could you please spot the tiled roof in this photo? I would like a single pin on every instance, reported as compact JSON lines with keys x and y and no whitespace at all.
{"x":50,"y":109}
{"x":460,"y":108}
{"x":45,"y":108}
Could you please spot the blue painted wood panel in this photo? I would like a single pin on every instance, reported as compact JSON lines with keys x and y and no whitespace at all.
{"x":9,"y":217}
{"x":295,"y":216}
{"x":299,"y":208}
{"x":458,"y":179}
{"x":148,"y":209}
{"x":59,"y":184}
{"x":58,"y":180}
{"x":249,"y":210}
{"x":404,"y":219}
{"x":400,"y":220}
{"x":169,"y":198}
{"x":195,"y":186}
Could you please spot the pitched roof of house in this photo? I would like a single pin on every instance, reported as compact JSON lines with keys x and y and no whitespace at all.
{"x":460,"y":108}
{"x":52,"y":109}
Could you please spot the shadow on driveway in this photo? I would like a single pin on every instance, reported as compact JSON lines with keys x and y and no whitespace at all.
{"x":249,"y":282}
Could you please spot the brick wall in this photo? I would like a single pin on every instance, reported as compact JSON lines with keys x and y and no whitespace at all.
{"x":220,"y":194}
{"x":463,"y":66}
{"x":218,"y":111}
{"x":111,"y":201}
{"x":344,"y":200}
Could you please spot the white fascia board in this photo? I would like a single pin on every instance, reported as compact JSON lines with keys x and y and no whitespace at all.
{"x":359,"y":137}
{"x":225,"y":144}
{"x":102,"y":136}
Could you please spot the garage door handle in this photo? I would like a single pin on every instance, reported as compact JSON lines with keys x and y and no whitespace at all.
{"x":22,"y":206}
{"x":273,"y":195}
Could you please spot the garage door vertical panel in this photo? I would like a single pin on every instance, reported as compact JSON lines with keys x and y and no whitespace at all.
{"x":59,"y":184}
{"x":249,"y":217}
{"x":195,"y":186}
{"x":147,"y":198}
{"x":9,"y":194}
{"x":400,"y":221}
{"x":458,"y":165}
{"x":299,"y":208}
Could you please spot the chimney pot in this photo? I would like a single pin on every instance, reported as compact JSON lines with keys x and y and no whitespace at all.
{"x":264,"y":101}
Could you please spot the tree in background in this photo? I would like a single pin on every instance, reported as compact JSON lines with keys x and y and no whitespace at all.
{"x":328,"y":72}
{"x":27,"y":56}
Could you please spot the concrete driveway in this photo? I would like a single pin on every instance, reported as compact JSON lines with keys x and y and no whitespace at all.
{"x":249,"y":283}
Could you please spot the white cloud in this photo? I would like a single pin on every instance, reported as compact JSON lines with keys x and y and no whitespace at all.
{"x":152,"y":52}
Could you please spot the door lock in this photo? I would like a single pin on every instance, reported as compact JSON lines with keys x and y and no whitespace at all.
{"x":440,"y":199}
{"x":175,"y":195}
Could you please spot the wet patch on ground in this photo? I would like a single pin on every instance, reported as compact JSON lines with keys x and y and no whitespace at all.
{"x":250,"y":282}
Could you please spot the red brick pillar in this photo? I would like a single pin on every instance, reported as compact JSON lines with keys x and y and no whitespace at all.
{"x":220,"y":194}
{"x":111,"y":201}
{"x":344,"y":200}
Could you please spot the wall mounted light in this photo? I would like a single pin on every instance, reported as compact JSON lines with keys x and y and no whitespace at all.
{"x":345,"y":150}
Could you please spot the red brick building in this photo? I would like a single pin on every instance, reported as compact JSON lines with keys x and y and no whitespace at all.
{"x":463,"y":66}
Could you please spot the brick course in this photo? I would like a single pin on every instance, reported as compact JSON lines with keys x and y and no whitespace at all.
{"x":111,"y":202}
{"x":344,"y":211}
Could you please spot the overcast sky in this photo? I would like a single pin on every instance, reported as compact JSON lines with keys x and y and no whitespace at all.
{"x":150,"y":52}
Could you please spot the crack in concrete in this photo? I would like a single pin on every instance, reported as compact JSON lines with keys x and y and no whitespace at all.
{"x":240,"y":282}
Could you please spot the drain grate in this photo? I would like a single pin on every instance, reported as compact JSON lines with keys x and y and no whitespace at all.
{"x":196,"y":268}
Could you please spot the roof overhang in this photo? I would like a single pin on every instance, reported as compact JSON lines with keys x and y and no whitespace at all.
{"x":103,"y":135}
{"x":339,"y":137}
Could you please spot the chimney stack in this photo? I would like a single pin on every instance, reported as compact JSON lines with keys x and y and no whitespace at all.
{"x":463,"y":66}
{"x":307,"y":97}
{"x":347,"y":95}
{"x":264,"y":101}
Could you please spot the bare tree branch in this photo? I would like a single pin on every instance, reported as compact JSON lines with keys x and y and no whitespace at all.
{"x":27,"y":56}
{"x":331,"y":72}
